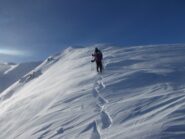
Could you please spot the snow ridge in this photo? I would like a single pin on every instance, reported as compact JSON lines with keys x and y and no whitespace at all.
{"x":141,"y":94}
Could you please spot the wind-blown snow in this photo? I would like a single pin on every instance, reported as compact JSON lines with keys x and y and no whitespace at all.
{"x":140,"y":95}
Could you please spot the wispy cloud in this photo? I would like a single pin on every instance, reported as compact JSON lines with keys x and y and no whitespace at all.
{"x":11,"y":52}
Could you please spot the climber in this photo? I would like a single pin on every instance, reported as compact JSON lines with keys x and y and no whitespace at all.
{"x":98,"y":56}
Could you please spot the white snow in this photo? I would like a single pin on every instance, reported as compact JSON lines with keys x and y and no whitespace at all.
{"x":140,"y":95}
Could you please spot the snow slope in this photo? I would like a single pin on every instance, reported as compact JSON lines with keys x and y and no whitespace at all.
{"x":10,"y":72}
{"x":140,"y":95}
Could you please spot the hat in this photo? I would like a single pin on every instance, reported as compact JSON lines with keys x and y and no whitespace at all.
{"x":96,"y":49}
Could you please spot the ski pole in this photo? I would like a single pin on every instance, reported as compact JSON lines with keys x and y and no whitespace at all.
{"x":91,"y":67}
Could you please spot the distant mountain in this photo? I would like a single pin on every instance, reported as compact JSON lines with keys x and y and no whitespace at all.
{"x":140,"y":95}
{"x":11,"y":72}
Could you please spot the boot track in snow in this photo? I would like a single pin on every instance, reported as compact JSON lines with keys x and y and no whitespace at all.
{"x":101,"y":102}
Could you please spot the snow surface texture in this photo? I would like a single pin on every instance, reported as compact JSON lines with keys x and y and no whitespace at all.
{"x":140,"y":95}
{"x":10,"y":72}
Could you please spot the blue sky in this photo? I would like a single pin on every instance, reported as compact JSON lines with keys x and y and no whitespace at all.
{"x":33,"y":29}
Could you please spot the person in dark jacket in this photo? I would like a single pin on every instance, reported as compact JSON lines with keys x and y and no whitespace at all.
{"x":98,"y":56}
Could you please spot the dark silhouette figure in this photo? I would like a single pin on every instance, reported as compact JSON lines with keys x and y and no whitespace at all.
{"x":98,"y":56}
